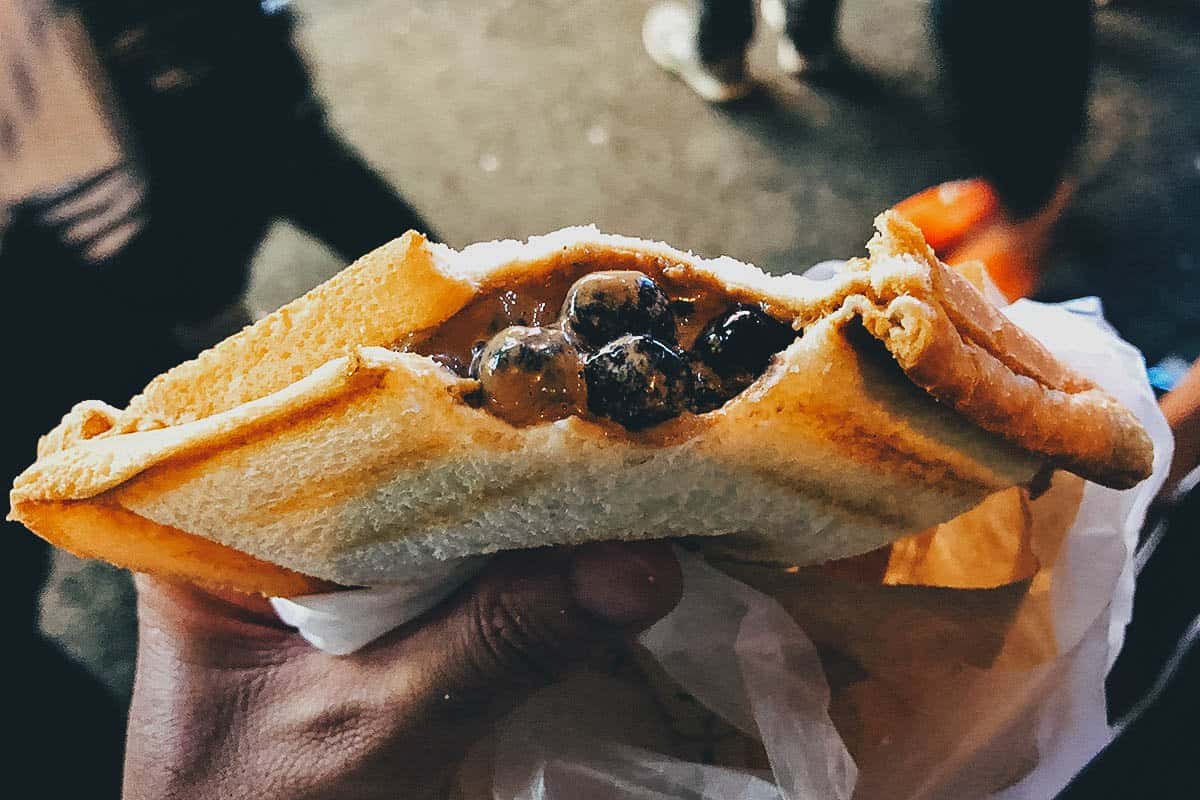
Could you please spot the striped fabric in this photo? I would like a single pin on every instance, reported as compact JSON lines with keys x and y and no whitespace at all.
{"x":94,"y":216}
{"x":63,"y":164}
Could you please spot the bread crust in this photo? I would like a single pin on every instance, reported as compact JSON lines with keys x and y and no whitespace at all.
{"x":305,"y":443}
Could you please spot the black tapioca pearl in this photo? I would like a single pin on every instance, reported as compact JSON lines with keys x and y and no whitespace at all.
{"x":603,"y":306}
{"x":708,"y":390}
{"x":741,"y":342}
{"x":637,"y":381}
{"x":531,"y":374}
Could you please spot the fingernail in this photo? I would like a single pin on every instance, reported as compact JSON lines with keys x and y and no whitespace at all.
{"x":632,"y":584}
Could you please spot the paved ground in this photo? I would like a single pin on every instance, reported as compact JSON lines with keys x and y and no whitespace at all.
{"x":502,"y":118}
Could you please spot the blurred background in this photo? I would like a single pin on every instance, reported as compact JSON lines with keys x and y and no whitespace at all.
{"x":507,"y":118}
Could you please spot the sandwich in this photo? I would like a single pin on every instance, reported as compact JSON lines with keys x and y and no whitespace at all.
{"x":427,"y":404}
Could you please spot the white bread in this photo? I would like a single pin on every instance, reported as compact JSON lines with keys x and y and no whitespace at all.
{"x":309,"y":450}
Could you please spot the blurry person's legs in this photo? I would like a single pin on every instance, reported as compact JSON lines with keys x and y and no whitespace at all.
{"x":317,"y":180}
{"x":724,"y":29}
{"x":328,"y":189}
{"x":705,"y":46}
{"x":1018,"y":74}
{"x":808,"y":30}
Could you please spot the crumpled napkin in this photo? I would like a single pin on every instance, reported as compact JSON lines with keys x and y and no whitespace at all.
{"x":341,"y":622}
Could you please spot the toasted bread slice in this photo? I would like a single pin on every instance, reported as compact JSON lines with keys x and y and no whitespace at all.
{"x":309,"y":444}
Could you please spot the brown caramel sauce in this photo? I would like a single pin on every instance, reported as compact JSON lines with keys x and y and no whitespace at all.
{"x":537,"y":301}
{"x":536,"y":298}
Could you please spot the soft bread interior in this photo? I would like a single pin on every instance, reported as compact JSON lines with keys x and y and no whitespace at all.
{"x":303,"y":444}
{"x":835,"y":453}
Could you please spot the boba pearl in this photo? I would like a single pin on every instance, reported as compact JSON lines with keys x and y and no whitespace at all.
{"x":531,"y":375}
{"x":637,"y":381}
{"x":603,"y":306}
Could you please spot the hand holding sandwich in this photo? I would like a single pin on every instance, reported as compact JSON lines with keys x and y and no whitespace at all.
{"x":229,"y":703}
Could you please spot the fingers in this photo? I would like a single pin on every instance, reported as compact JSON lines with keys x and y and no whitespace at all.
{"x":211,"y":628}
{"x":522,"y":622}
{"x":627,"y":585}
{"x":178,"y":599}
{"x":431,"y":687}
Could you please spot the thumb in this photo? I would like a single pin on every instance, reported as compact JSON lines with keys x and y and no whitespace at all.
{"x":527,"y":618}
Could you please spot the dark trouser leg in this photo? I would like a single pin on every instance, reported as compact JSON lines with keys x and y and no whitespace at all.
{"x":725,"y":28}
{"x":330,"y":191}
{"x":812,"y":24}
{"x":1018,"y":74}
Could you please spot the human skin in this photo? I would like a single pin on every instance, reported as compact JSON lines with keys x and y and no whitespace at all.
{"x":230,"y":703}
{"x":1181,"y":407}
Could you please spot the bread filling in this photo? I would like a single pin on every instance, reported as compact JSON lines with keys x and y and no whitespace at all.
{"x":636,"y":342}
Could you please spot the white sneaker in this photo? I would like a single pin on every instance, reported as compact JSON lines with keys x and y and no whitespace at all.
{"x":774,"y":14}
{"x":796,"y":64}
{"x":791,"y":60}
{"x":669,"y":36}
